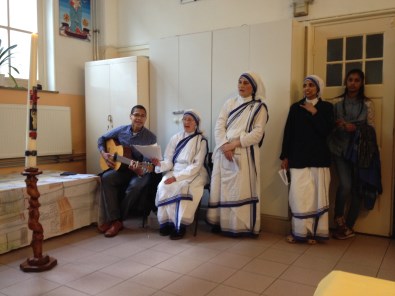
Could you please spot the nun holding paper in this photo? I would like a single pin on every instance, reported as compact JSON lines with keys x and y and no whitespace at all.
{"x":306,"y":155}
{"x":185,"y":175}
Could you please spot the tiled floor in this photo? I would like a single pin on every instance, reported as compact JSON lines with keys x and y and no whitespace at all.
{"x":140,"y":262}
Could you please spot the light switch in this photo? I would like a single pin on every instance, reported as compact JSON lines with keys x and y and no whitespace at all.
{"x":301,"y":8}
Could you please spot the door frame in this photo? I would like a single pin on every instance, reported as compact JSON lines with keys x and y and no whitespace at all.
{"x":310,"y":52}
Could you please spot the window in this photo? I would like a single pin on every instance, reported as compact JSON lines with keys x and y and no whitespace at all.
{"x":363,"y":52}
{"x":18,"y":20}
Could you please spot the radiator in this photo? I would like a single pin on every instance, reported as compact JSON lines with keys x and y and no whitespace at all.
{"x":53,"y":130}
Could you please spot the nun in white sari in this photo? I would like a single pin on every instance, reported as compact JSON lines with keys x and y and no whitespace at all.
{"x":234,"y":205}
{"x":182,"y":185}
{"x":306,"y":155}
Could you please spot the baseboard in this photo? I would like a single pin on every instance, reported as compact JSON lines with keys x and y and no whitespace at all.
{"x":277,"y":225}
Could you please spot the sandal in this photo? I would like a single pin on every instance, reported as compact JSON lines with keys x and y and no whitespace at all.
{"x":311,"y":241}
{"x":290,"y":239}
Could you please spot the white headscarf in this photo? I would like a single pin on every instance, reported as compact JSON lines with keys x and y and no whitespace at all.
{"x":196,"y":116}
{"x":319,"y":83}
{"x":257,"y":84}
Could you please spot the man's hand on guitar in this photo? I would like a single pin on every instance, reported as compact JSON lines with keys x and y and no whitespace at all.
{"x":141,"y":168}
{"x":108,"y":159}
{"x":134,"y":166}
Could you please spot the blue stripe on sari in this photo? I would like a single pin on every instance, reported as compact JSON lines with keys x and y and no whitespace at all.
{"x":182,"y":144}
{"x":238,"y":203}
{"x":237,"y":111}
{"x":307,"y":215}
{"x":175,"y":198}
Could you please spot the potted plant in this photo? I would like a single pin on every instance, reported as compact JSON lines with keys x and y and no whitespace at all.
{"x":5,"y":56}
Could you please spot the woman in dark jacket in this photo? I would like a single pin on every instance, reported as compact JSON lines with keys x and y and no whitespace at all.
{"x":305,"y":153}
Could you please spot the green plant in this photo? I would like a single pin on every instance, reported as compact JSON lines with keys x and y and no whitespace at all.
{"x":5,"y":57}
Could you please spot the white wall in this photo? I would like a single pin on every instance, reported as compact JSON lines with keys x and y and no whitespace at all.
{"x":129,"y":23}
{"x":140,"y":21}
{"x":70,"y":57}
{"x":144,"y":20}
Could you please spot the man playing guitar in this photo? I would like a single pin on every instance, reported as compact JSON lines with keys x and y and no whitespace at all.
{"x":123,"y":185}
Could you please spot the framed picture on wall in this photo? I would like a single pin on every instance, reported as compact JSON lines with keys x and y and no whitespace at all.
{"x":75,"y":19}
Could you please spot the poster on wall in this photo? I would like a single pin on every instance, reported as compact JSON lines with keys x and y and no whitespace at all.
{"x":75,"y":19}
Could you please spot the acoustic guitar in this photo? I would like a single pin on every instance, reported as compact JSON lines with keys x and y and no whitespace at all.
{"x":122,"y":155}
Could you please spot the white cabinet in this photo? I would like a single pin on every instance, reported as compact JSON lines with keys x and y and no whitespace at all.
{"x":112,"y":88}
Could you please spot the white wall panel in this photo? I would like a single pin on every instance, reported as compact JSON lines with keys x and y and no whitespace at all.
{"x":163,"y":88}
{"x":230,"y":59}
{"x":195,"y":77}
{"x":271,"y":57}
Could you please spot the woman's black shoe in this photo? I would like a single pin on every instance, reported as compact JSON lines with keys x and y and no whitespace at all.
{"x":175,"y":235}
{"x":165,"y":231}
{"x":216,"y":229}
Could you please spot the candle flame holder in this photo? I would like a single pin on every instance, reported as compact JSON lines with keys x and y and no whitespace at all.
{"x":38,"y":262}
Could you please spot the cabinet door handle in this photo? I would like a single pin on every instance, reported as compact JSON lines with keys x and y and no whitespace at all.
{"x":109,"y":121}
{"x":178,"y":112}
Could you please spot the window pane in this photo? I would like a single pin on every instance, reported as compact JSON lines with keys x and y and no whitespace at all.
{"x":335,"y":50}
{"x":334,"y":75}
{"x":4,"y":44}
{"x":354,"y":48}
{"x":3,"y":37}
{"x":21,"y":56}
{"x":356,"y":65}
{"x":374,"y":46}
{"x":374,"y":72}
{"x":23,"y":15}
{"x":3,"y":13}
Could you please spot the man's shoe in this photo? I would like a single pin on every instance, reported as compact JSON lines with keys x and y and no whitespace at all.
{"x":104,"y":227}
{"x":115,"y":228}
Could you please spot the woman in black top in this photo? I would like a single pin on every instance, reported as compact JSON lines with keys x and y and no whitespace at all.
{"x":306,"y":155}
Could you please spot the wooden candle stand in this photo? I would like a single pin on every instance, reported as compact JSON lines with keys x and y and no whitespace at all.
{"x":38,"y":262}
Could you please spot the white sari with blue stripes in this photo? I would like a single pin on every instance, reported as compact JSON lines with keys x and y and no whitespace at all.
{"x":184,"y":159}
{"x":234,"y":203}
{"x":309,"y":203}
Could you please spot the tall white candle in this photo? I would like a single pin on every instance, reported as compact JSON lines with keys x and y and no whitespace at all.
{"x":33,"y":61}
{"x":31,"y":160}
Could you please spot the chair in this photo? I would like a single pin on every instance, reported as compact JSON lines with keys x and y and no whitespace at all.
{"x":143,"y":206}
{"x":152,"y":188}
{"x":206,"y":187}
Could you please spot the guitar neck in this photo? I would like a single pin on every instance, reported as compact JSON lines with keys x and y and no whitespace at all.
{"x":127,"y":161}
{"x":123,"y":160}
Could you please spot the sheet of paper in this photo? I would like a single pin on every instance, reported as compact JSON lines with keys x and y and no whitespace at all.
{"x":283,"y":175}
{"x":149,"y":151}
